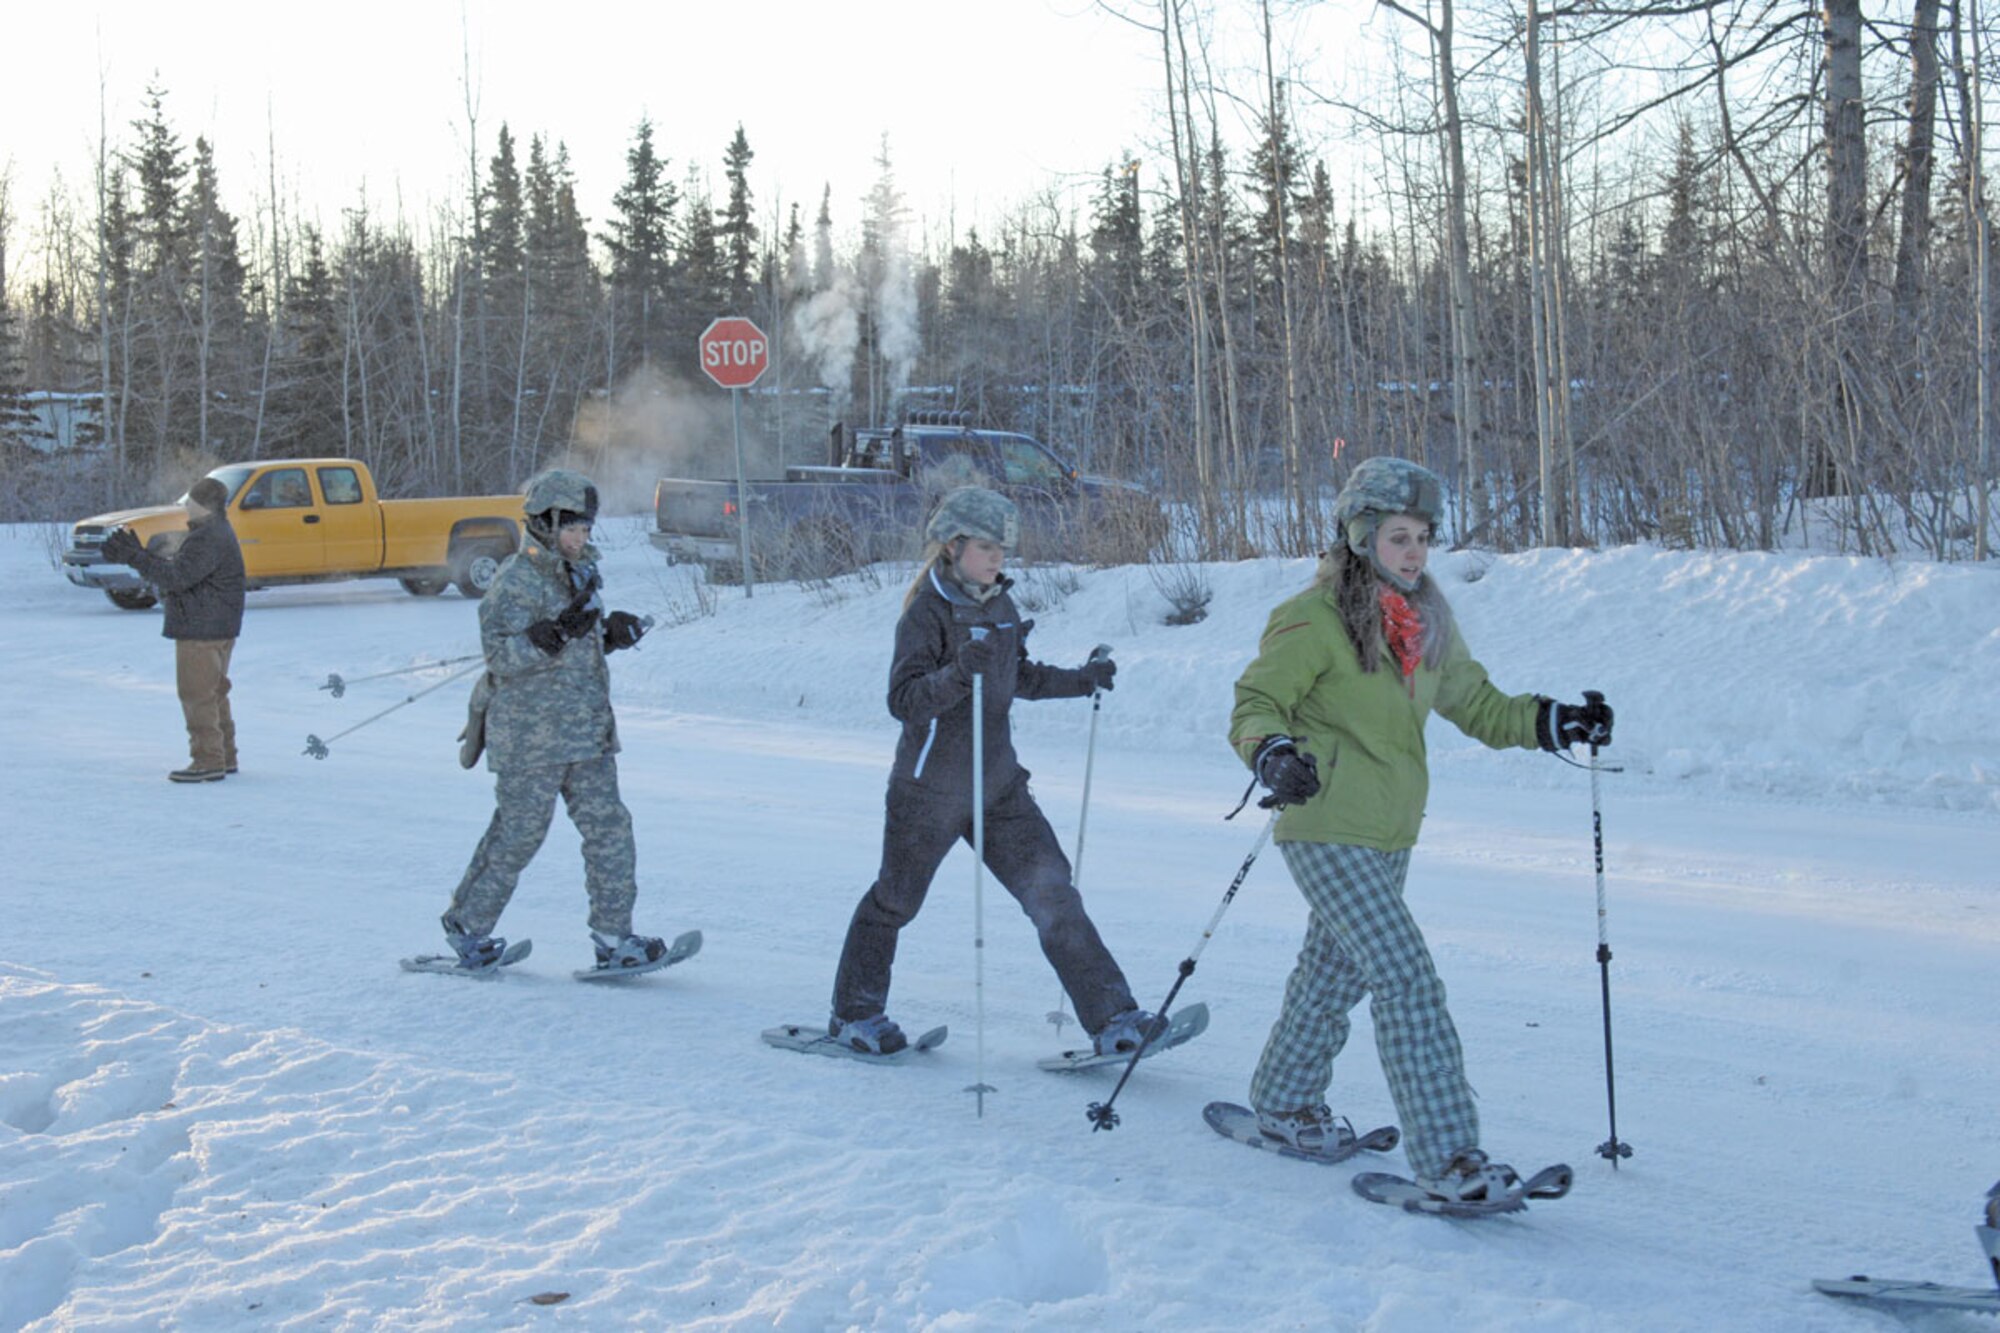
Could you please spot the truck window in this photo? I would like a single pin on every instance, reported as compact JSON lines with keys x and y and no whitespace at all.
{"x":280,"y":488}
{"x":1026,"y":464}
{"x":340,"y":485}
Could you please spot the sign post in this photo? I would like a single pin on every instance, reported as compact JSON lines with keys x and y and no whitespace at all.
{"x":735,"y":353}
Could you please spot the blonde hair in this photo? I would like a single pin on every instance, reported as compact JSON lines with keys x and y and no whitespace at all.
{"x":936,"y":555}
{"x":1351,"y":581}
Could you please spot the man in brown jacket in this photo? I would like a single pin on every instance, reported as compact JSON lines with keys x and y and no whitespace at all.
{"x":202,"y":586}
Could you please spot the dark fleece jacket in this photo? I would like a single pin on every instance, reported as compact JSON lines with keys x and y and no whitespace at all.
{"x":202,"y":583}
{"x":932,"y":698}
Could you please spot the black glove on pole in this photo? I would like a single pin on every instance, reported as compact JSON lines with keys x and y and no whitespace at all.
{"x":1559,"y":726}
{"x":1293,"y":778}
{"x":976,"y":655}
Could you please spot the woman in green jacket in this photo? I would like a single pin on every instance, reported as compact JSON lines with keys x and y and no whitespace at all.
{"x":1330,"y":716}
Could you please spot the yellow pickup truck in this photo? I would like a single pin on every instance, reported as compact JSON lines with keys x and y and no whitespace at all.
{"x":317,"y":520}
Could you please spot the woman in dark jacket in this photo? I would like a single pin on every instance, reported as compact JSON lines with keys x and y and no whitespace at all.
{"x":958,"y":621}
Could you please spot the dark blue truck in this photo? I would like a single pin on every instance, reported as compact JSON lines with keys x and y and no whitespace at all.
{"x":871,"y":499}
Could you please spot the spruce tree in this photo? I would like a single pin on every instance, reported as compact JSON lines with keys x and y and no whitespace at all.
{"x":738,"y":229}
{"x":156,"y":333}
{"x":639,"y":237}
{"x":218,"y":313}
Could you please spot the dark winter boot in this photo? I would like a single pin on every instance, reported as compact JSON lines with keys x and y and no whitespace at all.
{"x":1124,"y":1033}
{"x":875,"y":1035}
{"x":615,"y":953}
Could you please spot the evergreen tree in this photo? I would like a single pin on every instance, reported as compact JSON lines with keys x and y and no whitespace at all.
{"x":219,"y":313}
{"x":15,"y":419}
{"x":505,"y":215}
{"x":639,"y":238}
{"x":155,"y":333}
{"x":738,"y":229}
{"x":1275,"y":171}
{"x":1117,"y":237}
{"x":704,"y":285}
{"x":303,"y":414}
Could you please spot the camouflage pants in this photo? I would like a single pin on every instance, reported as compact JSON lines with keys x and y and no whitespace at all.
{"x":1362,"y":941}
{"x":525,"y":804}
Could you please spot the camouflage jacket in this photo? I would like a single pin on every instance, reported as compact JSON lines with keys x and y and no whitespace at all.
{"x":545,"y":710}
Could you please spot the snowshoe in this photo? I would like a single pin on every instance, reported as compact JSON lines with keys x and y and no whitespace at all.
{"x":1313,"y":1135}
{"x":481,"y":956}
{"x":634,"y":955}
{"x":874,"y":1035}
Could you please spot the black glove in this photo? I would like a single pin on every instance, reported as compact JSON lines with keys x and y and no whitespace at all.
{"x":622,"y":630}
{"x":1292,"y":777}
{"x":121,"y":545}
{"x":1559,"y":726}
{"x":548,"y":636}
{"x":1096,"y":674}
{"x":977,"y":655}
{"x":576,"y":621}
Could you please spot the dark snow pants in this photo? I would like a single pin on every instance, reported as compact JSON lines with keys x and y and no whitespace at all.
{"x":1023,"y":854}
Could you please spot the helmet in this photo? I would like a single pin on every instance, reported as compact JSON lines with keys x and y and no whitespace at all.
{"x":1377,"y":489}
{"x":554,"y":497}
{"x":973,"y":511}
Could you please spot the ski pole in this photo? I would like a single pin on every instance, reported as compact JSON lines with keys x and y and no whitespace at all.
{"x":336,"y":683}
{"x":980,"y":1086}
{"x":317,"y":748}
{"x":1059,"y":1015}
{"x":1100,"y":1114}
{"x":1611,"y":1148}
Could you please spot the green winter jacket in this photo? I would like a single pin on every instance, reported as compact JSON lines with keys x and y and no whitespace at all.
{"x":1365,"y":728}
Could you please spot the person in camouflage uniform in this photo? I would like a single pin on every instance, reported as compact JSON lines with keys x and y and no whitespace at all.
{"x":1330,"y":717}
{"x":549,"y":730}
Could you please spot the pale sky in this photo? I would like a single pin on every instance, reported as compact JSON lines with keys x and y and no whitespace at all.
{"x":985,"y":102}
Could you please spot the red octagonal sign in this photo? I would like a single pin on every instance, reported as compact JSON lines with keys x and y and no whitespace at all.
{"x":734,"y":352}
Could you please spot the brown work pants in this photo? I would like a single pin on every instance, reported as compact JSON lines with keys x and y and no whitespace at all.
{"x":201,"y":670}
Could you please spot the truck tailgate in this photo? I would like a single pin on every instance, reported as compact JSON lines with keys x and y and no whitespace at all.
{"x":696,"y":508}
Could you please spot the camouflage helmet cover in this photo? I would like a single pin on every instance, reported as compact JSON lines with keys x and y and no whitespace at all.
{"x":1378,"y":489}
{"x":973,"y":511}
{"x":559,"y":489}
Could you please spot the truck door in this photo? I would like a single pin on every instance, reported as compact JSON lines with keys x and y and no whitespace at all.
{"x":278,"y":525}
{"x":1040,"y":487}
{"x":350,"y":527}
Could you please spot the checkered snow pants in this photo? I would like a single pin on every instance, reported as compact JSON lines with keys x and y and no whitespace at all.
{"x":1361,"y":941}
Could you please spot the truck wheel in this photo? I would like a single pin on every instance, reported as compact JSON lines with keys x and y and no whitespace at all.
{"x":131,"y":599}
{"x":477,"y":569}
{"x":424,"y":587}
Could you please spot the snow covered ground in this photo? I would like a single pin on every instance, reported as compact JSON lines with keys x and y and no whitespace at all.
{"x":222,"y":1106}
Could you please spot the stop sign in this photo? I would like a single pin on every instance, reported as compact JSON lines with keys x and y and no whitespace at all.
{"x":734,"y":352}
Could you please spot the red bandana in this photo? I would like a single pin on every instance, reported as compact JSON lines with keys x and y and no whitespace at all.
{"x":1404,"y":629}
